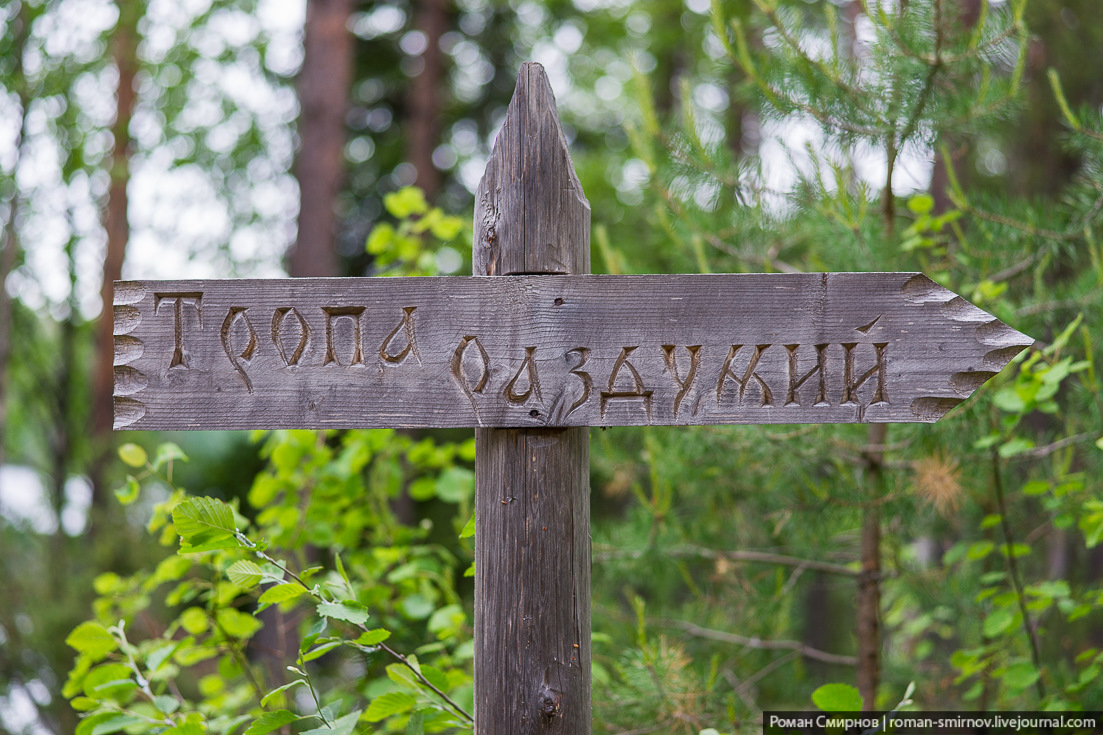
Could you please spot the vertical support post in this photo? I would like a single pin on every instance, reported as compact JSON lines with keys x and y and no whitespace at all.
{"x":532,"y":497}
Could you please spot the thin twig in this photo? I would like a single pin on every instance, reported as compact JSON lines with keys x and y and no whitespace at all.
{"x":398,"y":656}
{"x":1048,"y":449}
{"x":760,"y":557}
{"x":1016,"y":581}
{"x":760,"y":644}
{"x":1011,"y":272}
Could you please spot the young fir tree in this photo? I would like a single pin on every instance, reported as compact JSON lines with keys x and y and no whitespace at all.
{"x":959,"y":594}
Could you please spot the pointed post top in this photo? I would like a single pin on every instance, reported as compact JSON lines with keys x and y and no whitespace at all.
{"x":531,"y":215}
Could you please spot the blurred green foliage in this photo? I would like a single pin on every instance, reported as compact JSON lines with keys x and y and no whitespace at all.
{"x":749,"y":135}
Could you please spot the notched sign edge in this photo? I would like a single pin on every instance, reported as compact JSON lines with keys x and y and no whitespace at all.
{"x":1004,"y":343}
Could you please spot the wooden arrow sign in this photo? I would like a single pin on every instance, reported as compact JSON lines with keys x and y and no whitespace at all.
{"x":518,"y":351}
{"x":526,"y":353}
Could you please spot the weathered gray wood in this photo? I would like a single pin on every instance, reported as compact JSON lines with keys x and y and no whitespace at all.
{"x":548,"y":351}
{"x":532,"y":581}
{"x":530,"y":171}
{"x":532,"y":486}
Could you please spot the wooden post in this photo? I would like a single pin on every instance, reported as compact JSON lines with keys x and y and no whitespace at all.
{"x":532,"y":497}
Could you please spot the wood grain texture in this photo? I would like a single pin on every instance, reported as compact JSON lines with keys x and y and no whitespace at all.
{"x":532,"y":486}
{"x":531,"y":215}
{"x":536,"y":351}
{"x":532,"y":581}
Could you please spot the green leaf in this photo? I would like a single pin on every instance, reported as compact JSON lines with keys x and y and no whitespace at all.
{"x":1016,"y":551}
{"x":133,"y":455}
{"x":166,"y":704}
{"x":168,"y":452}
{"x":446,"y":620}
{"x":416,"y":725}
{"x":270,"y":721}
{"x":245,"y":573}
{"x":1014,"y":447}
{"x":236,"y":623}
{"x":423,"y":488}
{"x":161,"y":654}
{"x":436,"y":677}
{"x":92,"y":639}
{"x":342,"y":726}
{"x":194,"y":620}
{"x":1020,"y":675}
{"x":109,"y":681}
{"x":416,"y":606}
{"x":204,"y":524}
{"x":1036,"y":487}
{"x":919,"y":204}
{"x":350,"y":611}
{"x":455,"y":484}
{"x":446,"y":228}
{"x":128,"y":493}
{"x":1055,"y":588}
{"x":980,"y":549}
{"x":391,"y":703}
{"x":1099,"y":442}
{"x":991,"y":520}
{"x":105,"y":723}
{"x":277,"y":690}
{"x":281,"y":593}
{"x":382,"y":235}
{"x":406,"y":201}
{"x":837,"y":698}
{"x":1008,"y":400}
{"x":321,"y":650}
{"x":341,"y":570}
{"x":997,"y":622}
{"x":468,"y":528}
{"x":191,"y":727}
{"x":374,"y":637}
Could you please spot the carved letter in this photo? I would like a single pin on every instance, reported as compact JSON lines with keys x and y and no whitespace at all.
{"x":333,"y":313}
{"x":727,"y":372}
{"x":460,"y":376}
{"x":851,"y":386}
{"x":195,"y":298}
{"x":407,"y":328}
{"x":587,"y":383}
{"x":234,"y":314}
{"x":793,"y":399}
{"x":672,"y":367}
{"x":529,"y":368}
{"x":277,"y":334}
{"x":637,"y":388}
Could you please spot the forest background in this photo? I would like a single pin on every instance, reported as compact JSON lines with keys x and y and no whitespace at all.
{"x":736,"y":569}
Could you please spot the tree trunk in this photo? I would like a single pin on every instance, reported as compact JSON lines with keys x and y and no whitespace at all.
{"x":9,"y":237}
{"x":869,"y":583}
{"x":423,"y":127}
{"x":323,"y":88}
{"x":124,"y":52}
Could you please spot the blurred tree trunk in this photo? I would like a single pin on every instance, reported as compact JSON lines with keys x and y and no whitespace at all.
{"x":323,"y":89}
{"x":124,"y":54}
{"x":423,"y":127}
{"x":869,"y":582}
{"x":9,"y":239}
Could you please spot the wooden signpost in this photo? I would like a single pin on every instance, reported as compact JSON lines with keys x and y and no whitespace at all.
{"x":530,"y":351}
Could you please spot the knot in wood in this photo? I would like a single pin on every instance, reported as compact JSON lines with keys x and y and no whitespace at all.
{"x":549,"y":707}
